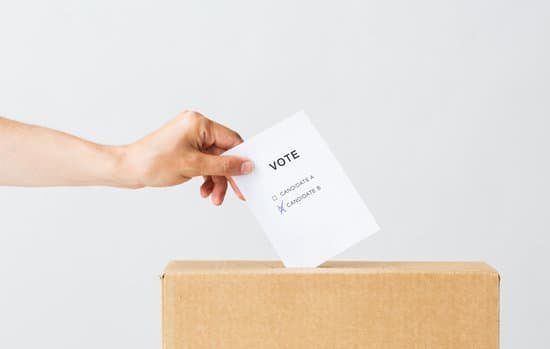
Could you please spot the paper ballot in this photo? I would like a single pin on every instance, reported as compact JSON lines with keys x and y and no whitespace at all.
{"x":300,"y":194}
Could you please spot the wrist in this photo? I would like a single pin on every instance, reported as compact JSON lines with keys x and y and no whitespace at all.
{"x":123,"y":173}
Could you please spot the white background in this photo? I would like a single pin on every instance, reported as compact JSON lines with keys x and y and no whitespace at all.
{"x":438,"y":111}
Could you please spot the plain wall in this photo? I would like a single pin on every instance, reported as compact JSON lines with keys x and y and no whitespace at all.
{"x":438,"y":110}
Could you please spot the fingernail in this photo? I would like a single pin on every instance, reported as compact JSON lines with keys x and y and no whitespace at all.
{"x":216,"y":201}
{"x":247,"y":167}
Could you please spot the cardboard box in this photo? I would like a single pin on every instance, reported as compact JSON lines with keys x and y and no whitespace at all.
{"x":238,"y":304}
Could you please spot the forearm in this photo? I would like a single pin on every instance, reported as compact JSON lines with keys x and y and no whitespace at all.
{"x":37,"y":156}
{"x":187,"y":146}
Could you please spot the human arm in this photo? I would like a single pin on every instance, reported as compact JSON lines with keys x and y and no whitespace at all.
{"x":187,"y":146}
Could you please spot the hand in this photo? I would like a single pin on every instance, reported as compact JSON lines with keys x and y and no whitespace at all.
{"x":187,"y":146}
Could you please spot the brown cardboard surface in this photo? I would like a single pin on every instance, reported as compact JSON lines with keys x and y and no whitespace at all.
{"x":260,"y":304}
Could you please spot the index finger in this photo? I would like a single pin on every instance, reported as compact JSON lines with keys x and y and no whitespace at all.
{"x":224,"y":137}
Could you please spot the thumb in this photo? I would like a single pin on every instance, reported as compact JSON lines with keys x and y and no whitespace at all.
{"x":219,"y":165}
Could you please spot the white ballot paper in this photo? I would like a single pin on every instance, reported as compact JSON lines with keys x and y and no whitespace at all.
{"x":300,"y":194}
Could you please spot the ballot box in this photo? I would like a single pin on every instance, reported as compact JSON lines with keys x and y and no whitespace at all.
{"x":341,"y":304}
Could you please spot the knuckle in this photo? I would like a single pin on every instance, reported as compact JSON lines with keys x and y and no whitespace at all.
{"x":198,"y":125}
{"x":232,"y":165}
{"x":204,"y":130}
{"x":226,"y":165}
{"x":190,"y":116}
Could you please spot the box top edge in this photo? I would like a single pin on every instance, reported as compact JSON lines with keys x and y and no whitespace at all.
{"x":276,"y":267}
